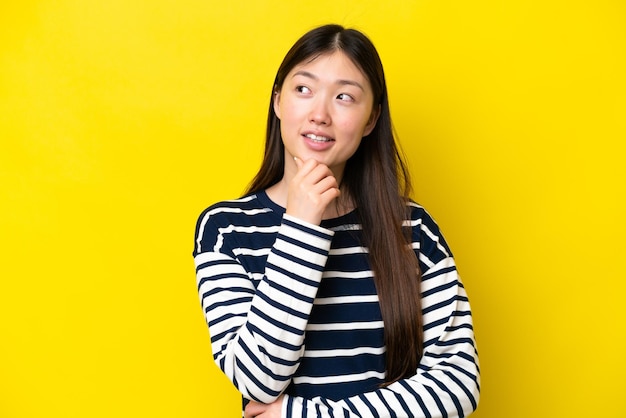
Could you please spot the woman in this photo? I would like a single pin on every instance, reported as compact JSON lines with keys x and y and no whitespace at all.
{"x":327,"y":291}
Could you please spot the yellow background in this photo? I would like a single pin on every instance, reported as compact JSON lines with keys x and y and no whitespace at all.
{"x":121,"y":120}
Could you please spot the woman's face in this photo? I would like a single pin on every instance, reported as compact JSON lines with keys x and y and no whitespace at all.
{"x":325,"y":107}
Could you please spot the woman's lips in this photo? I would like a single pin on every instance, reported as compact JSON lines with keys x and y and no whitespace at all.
{"x":318,"y":142}
{"x":318,"y":138}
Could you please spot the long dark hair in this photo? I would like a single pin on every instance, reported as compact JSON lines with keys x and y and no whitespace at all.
{"x":377,"y":181}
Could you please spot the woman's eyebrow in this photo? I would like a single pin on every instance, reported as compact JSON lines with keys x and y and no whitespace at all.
{"x":340,"y":81}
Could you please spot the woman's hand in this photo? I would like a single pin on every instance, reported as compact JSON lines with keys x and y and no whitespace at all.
{"x":311,"y":190}
{"x":261,"y":410}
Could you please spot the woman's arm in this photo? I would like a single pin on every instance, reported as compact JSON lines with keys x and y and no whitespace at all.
{"x":447,"y":381}
{"x":257,"y":334}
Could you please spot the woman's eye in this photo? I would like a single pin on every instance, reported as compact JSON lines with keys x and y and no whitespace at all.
{"x":303,"y":89}
{"x":345,"y":97}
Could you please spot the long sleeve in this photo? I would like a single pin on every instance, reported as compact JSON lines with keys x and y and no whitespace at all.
{"x":292,"y":309}
{"x":447,"y":381}
{"x":257,"y":323}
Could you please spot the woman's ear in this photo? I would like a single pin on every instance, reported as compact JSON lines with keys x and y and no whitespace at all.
{"x":277,"y":103}
{"x":371,"y":123}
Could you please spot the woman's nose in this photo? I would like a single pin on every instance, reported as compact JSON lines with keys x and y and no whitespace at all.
{"x":319,"y":113}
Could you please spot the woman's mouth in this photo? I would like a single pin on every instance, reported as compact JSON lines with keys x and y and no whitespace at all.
{"x":318,"y":138}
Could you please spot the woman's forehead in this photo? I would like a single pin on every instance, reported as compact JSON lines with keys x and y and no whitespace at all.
{"x":330,"y":64}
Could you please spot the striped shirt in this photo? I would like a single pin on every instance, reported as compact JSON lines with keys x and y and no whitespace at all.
{"x":292,"y":309}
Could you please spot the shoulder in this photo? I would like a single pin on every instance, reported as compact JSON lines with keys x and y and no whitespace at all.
{"x":420,"y":217}
{"x":428,"y":240}
{"x":230,"y":210}
{"x":245,"y":212}
{"x":245,"y":205}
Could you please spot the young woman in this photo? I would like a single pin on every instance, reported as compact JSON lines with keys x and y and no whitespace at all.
{"x":327,"y":291}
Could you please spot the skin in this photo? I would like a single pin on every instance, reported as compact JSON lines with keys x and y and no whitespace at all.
{"x":328,"y":97}
{"x":259,"y":410}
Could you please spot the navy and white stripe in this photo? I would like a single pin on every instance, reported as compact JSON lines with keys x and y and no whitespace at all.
{"x":292,"y":309}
